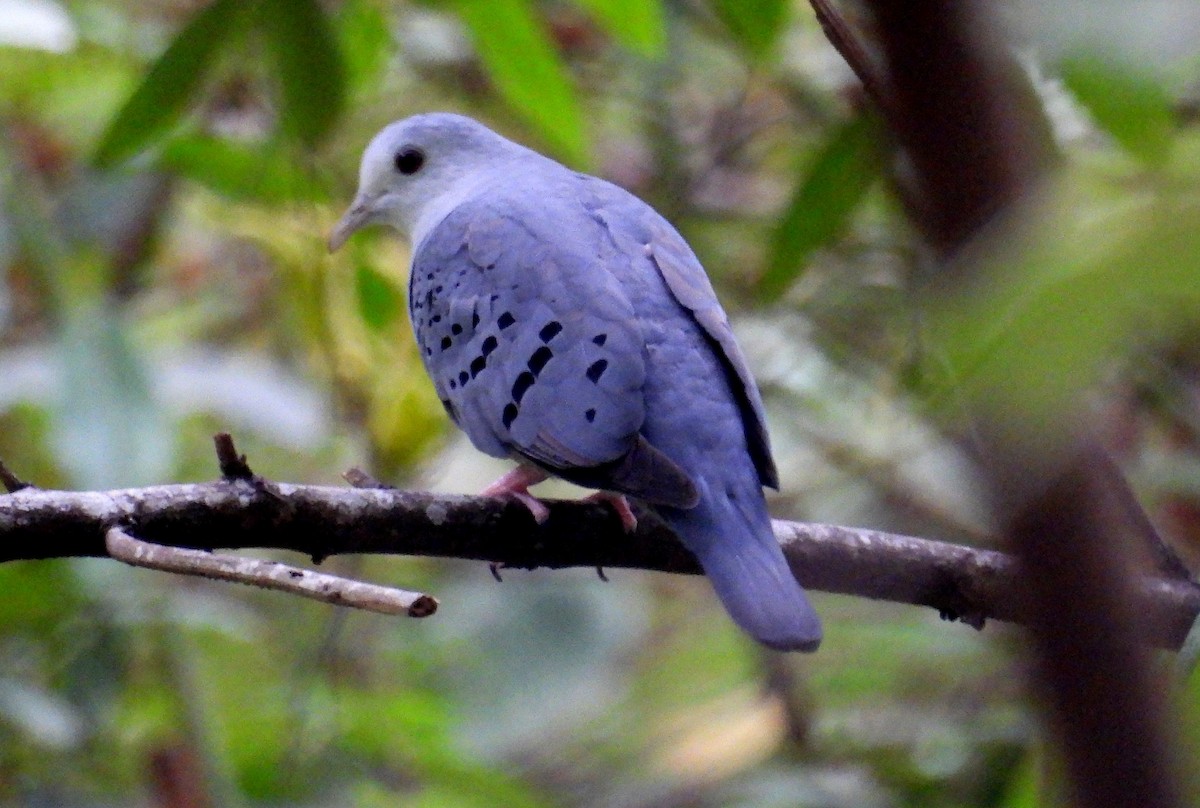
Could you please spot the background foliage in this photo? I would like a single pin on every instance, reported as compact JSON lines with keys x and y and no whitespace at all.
{"x":168,"y":172}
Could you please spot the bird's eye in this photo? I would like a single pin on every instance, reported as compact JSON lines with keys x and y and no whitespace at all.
{"x":409,"y":160}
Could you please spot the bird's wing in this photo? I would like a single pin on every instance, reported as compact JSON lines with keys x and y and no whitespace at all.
{"x":534,"y":348}
{"x":630,"y":218}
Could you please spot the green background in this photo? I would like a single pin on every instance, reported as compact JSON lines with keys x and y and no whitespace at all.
{"x":168,"y":174}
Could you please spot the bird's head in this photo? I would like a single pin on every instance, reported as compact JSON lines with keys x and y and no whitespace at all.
{"x":417,"y":167}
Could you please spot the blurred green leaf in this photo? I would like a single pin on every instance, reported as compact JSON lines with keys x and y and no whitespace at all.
{"x":251,"y":172}
{"x":311,"y":73}
{"x":832,"y":185}
{"x":1126,"y":102}
{"x":527,"y":71}
{"x":637,"y":24}
{"x":397,"y":722}
{"x":1089,"y":282}
{"x":755,"y":24}
{"x":378,"y":300}
{"x":1037,"y":780}
{"x":245,"y":702}
{"x":171,"y":82}
{"x":414,"y":725}
{"x":37,"y":598}
{"x":365,"y":42}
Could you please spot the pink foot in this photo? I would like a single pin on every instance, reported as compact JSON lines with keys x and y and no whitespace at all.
{"x":515,"y":485}
{"x":620,"y":505}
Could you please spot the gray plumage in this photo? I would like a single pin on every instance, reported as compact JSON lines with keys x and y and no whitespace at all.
{"x":566,"y":324}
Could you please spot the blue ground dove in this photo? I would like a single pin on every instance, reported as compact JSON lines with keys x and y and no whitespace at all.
{"x":565,"y":324}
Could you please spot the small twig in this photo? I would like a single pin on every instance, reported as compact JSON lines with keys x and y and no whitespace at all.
{"x":233,"y":465}
{"x":842,"y":37}
{"x":11,"y":482}
{"x":361,"y":479}
{"x":268,"y":575}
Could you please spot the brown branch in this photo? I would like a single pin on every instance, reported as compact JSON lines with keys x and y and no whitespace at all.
{"x":849,"y":45}
{"x":961,"y":113}
{"x":11,"y":482}
{"x":960,"y":582}
{"x":268,"y":575}
{"x":233,"y":465}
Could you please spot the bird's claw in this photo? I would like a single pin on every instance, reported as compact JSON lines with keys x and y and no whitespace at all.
{"x":515,"y":485}
{"x":619,"y":504}
{"x":537,"y":509}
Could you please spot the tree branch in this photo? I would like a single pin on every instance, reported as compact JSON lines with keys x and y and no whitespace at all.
{"x":851,"y":48}
{"x":960,"y":582}
{"x":267,"y":575}
{"x":965,"y":118}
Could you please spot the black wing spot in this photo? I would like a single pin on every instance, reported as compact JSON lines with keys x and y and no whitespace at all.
{"x":521,"y":385}
{"x":550,"y":331}
{"x":590,"y":414}
{"x":437,"y":318}
{"x":456,"y":329}
{"x":429,"y":277}
{"x":510,"y":415}
{"x":539,"y":359}
{"x":506,"y":319}
{"x":463,"y":377}
{"x":596,"y":370}
{"x":453,"y":384}
{"x":474,"y":319}
{"x":446,"y":343}
{"x":490,"y":344}
{"x":600,"y":339}
{"x":477,"y":365}
{"x":437,"y":290}
{"x":428,"y":351}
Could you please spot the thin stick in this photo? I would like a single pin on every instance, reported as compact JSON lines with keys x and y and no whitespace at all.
{"x":844,"y":40}
{"x":268,"y":575}
{"x":233,"y":465}
{"x":361,"y":479}
{"x":11,"y":482}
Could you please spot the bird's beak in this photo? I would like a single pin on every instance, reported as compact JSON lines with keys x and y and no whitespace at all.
{"x":359,"y":214}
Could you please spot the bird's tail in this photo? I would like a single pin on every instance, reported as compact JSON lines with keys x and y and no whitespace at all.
{"x":733,"y":540}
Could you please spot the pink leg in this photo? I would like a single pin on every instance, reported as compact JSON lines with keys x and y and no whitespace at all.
{"x":515,"y":484}
{"x":620,"y":505}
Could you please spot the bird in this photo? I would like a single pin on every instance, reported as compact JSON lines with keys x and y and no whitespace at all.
{"x":566,"y":325}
